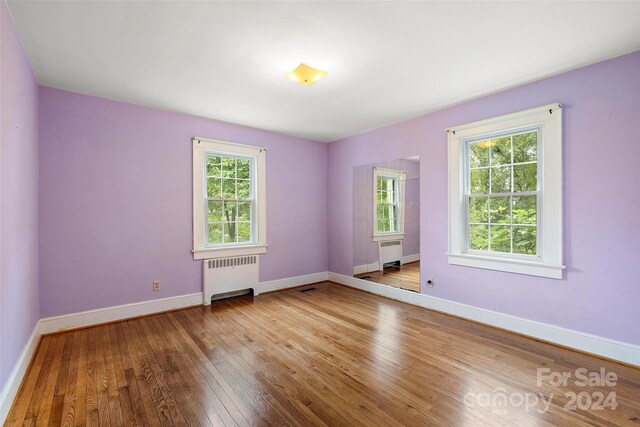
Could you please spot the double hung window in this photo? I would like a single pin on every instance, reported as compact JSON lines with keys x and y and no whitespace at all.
{"x":505,"y":193}
{"x":388,"y":196}
{"x":228,"y":199}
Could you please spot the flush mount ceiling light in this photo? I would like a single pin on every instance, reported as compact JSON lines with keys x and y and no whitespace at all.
{"x":305,"y":75}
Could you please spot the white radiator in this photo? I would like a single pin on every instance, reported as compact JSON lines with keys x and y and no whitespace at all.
{"x":389,"y":251}
{"x":229,"y":275}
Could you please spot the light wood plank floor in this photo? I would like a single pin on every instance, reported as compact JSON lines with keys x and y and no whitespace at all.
{"x":332,"y":356}
{"x":405,"y":277}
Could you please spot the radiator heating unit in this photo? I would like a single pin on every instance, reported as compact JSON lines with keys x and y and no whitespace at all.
{"x":389,"y":253}
{"x":229,"y":276}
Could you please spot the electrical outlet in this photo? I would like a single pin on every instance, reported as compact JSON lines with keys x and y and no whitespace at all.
{"x":156,"y":285}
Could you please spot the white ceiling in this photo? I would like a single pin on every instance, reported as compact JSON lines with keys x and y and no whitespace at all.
{"x":387,"y":61}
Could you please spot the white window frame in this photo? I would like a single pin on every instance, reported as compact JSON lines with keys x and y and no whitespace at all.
{"x":549,"y":260}
{"x":401,"y":177}
{"x":258,"y":245}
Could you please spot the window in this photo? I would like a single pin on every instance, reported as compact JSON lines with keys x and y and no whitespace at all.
{"x":228,"y":199}
{"x":388,"y":196}
{"x":387,"y":205}
{"x":501,"y":191}
{"x":505,"y":193}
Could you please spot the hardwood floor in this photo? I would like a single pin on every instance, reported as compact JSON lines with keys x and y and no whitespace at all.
{"x":405,"y":277}
{"x":332,"y":356}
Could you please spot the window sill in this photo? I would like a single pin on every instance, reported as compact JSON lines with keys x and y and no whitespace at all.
{"x":208,"y":253}
{"x":385,"y":237}
{"x":509,"y":265}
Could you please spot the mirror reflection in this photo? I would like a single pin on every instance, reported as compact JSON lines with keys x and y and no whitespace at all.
{"x":386,"y":223}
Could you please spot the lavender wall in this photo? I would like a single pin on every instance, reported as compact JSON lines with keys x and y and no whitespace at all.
{"x":116,"y":202}
{"x":19,"y":310}
{"x":601,"y":289}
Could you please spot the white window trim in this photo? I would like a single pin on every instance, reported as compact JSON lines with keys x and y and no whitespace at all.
{"x":202,"y":146}
{"x":549,"y":263}
{"x":401,"y":177}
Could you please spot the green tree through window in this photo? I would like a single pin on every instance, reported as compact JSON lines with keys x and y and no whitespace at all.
{"x":229,"y":199}
{"x":386,"y":204}
{"x":501,"y":193}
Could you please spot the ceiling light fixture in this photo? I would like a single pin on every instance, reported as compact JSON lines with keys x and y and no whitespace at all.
{"x":305,"y":75}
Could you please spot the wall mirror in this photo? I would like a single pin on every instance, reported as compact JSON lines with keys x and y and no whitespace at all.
{"x":386,"y":223}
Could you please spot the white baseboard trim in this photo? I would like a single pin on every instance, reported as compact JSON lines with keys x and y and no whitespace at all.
{"x":126,"y":311}
{"x":119,"y":312}
{"x":366,"y":268}
{"x":616,"y":350}
{"x":14,"y":380}
{"x":410,"y":258}
{"x":292,"y":282}
{"x":375,"y":266}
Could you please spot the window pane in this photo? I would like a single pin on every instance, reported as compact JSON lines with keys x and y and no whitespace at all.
{"x":504,"y":165}
{"x":501,"y":179}
{"x":213,"y":165}
{"x":478,"y":237}
{"x":501,"y":151}
{"x":214,"y":187}
{"x":524,"y":209}
{"x":383,"y":183}
{"x":500,"y":238}
{"x":390,"y":197}
{"x":230,"y":209}
{"x":479,"y":154}
{"x":228,"y":167}
{"x":380,"y":213}
{"x":500,"y":210}
{"x":215,"y":211}
{"x":243,"y":169}
{"x":525,"y":147}
{"x":244,"y":231}
{"x":391,"y":211}
{"x":524,"y":240}
{"x":525,"y":177}
{"x":479,"y":181}
{"x":230,"y":232}
{"x":244,"y":211}
{"x":478,"y":209}
{"x":391,"y":217}
{"x":229,"y":188}
{"x":244,"y":188}
{"x":215,"y":233}
{"x":388,"y":184}
{"x":385,"y":208}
